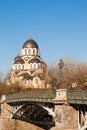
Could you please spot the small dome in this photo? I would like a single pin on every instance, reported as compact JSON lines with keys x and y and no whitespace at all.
{"x":18,"y":60}
{"x":30,"y":43}
{"x":34,"y":60}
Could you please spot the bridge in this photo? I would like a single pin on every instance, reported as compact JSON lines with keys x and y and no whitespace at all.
{"x":77,"y":97}
{"x":43,"y":107}
{"x":34,"y":106}
{"x":32,"y":95}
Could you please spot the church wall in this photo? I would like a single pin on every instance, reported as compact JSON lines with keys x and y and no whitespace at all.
{"x":27,"y":66}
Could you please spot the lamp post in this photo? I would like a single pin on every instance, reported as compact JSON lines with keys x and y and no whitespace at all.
{"x":61,"y":65}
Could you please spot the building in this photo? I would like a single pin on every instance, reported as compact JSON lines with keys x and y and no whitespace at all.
{"x":29,"y":70}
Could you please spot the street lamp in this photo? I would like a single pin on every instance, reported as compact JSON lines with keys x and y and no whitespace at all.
{"x":61,"y":65}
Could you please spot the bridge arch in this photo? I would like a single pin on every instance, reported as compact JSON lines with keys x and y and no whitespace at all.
{"x":37,"y":114}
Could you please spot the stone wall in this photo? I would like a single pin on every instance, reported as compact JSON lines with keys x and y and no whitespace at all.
{"x":57,"y":128}
{"x":9,"y":124}
{"x":66,"y":116}
{"x":6,"y":111}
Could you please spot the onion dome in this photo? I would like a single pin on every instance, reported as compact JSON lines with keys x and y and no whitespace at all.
{"x":30,"y":43}
{"x":18,"y":60}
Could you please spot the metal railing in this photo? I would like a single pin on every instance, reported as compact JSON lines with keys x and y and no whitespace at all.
{"x":77,"y":96}
{"x":73,"y":96}
{"x":36,"y":95}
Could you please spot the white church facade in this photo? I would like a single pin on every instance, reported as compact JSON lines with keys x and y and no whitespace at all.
{"x":28,"y":69}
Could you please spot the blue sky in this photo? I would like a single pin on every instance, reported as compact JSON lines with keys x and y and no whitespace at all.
{"x":58,"y":26}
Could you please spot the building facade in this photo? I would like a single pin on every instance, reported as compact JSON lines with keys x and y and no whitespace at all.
{"x":28,"y":69}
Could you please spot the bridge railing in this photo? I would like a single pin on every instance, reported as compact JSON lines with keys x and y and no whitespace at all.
{"x":73,"y":96}
{"x":77,"y":96}
{"x":41,"y":95}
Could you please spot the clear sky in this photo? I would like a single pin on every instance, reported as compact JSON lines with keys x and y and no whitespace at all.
{"x":58,"y":26}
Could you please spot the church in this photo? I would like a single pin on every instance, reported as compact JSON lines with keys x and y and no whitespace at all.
{"x":28,"y":69}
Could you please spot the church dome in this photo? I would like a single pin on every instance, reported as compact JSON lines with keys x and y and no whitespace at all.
{"x":30,"y":43}
{"x":18,"y":60}
{"x":34,"y":60}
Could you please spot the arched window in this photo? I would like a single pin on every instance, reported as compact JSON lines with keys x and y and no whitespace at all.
{"x":34,"y":65}
{"x":36,"y":81}
{"x":23,"y":67}
{"x":16,"y":67}
{"x":30,"y":66}
{"x":19,"y":67}
{"x":25,"y":51}
{"x":34,"y":51}
{"x":29,"y":52}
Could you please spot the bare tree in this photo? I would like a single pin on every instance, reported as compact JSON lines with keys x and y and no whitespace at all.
{"x":74,"y":75}
{"x":1,"y":77}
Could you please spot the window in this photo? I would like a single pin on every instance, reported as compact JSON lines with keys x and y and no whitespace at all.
{"x":25,"y":51}
{"x":23,"y":67}
{"x":36,"y":81}
{"x":29,"y":52}
{"x":19,"y":67}
{"x":34,"y":51}
{"x":16,"y":67}
{"x":35,"y":66}
{"x":30,"y":66}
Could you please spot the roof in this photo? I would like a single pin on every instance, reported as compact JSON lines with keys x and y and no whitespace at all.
{"x":34,"y":60}
{"x":18,"y":60}
{"x":30,"y":43}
